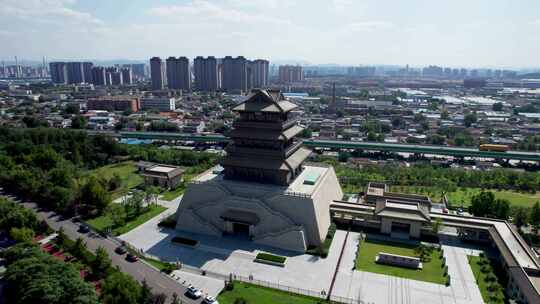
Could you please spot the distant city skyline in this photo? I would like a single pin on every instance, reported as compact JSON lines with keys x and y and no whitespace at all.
{"x":457,"y":33}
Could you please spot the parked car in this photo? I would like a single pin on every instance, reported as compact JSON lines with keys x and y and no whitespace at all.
{"x":84,"y":229}
{"x":193,"y":292}
{"x":130,"y":257}
{"x":209,"y":300}
{"x":120,"y":250}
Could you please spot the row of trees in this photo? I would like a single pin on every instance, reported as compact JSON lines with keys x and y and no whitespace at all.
{"x":132,"y":206}
{"x":433,"y":176}
{"x":34,"y":276}
{"x":46,"y":166}
{"x":484,"y":204}
{"x":172,"y":156}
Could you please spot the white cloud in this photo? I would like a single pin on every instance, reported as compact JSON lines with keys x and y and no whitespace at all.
{"x":48,"y":11}
{"x":199,"y":10}
{"x":320,"y":31}
{"x":368,"y":26}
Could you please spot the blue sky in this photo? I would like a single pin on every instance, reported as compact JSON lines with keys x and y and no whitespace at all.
{"x":479,"y":33}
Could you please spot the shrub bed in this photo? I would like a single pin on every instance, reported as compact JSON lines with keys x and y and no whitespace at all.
{"x":271,"y":258}
{"x":169,"y":222}
{"x":184,"y":241}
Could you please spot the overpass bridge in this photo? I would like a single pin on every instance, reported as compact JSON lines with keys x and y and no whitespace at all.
{"x":339,"y":144}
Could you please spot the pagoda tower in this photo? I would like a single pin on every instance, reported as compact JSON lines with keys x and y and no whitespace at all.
{"x":263,"y":191}
{"x":265,"y":147}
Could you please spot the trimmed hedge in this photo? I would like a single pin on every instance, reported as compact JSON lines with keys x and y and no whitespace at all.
{"x":169,"y":222}
{"x":184,"y":241}
{"x":271,"y":257}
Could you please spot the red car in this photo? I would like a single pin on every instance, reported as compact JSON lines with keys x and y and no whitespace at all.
{"x":131,"y":257}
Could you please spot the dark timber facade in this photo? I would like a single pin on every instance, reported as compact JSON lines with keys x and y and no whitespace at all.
{"x":265,"y":148}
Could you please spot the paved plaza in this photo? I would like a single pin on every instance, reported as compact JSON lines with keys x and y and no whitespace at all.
{"x":377,"y":288}
{"x":235,"y":255}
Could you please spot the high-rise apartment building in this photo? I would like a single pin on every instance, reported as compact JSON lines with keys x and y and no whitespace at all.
{"x":259,"y":73}
{"x":75,"y":72}
{"x":290,"y":73}
{"x":206,"y":73}
{"x":138,"y":71}
{"x":116,"y":78}
{"x":178,"y":74}
{"x":87,"y":71}
{"x":157,"y":73}
{"x":99,"y":76}
{"x":127,"y":75}
{"x":109,"y":75}
{"x":234,"y":73}
{"x":58,"y":71}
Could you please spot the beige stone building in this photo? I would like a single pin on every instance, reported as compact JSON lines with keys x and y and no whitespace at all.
{"x":263,"y":190}
{"x":164,"y":176}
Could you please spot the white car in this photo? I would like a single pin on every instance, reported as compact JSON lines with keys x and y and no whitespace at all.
{"x":210,"y":300}
{"x":193,"y":292}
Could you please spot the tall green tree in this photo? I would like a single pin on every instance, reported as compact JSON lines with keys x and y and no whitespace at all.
{"x":119,"y":288}
{"x":36,"y":277}
{"x":94,"y":196}
{"x":470,"y":118}
{"x":520,"y":216}
{"x":101,"y":263}
{"x":484,"y":204}
{"x":21,"y":234}
{"x":117,"y":214}
{"x":78,"y":122}
{"x":535,"y":216}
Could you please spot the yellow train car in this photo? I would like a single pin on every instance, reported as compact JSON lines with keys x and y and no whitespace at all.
{"x":493,"y":147}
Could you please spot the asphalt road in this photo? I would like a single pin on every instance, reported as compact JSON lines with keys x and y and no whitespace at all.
{"x":159,"y":282}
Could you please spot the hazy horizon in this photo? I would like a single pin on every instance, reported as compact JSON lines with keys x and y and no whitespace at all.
{"x":457,"y":33}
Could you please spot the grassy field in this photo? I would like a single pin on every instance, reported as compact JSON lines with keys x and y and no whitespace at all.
{"x":479,"y":276}
{"x":169,"y":195}
{"x":127,"y":172}
{"x":368,"y":249}
{"x":156,"y":263}
{"x":462,"y":197}
{"x":261,"y":295}
{"x":104,"y":221}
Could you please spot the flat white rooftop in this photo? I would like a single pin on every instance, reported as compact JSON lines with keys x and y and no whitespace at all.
{"x":401,"y":206}
{"x":161,"y":169}
{"x":310,"y":173}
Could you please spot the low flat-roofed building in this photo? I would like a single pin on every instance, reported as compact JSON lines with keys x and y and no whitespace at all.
{"x":164,"y":176}
{"x":114,"y":103}
{"x":162,"y":104}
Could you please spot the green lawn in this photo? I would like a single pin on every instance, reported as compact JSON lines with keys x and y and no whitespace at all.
{"x":169,"y":195}
{"x":462,"y":197}
{"x":128,"y":173}
{"x":479,"y":276}
{"x":104,"y":221}
{"x":254,"y":294}
{"x":156,"y":263}
{"x":368,"y":249}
